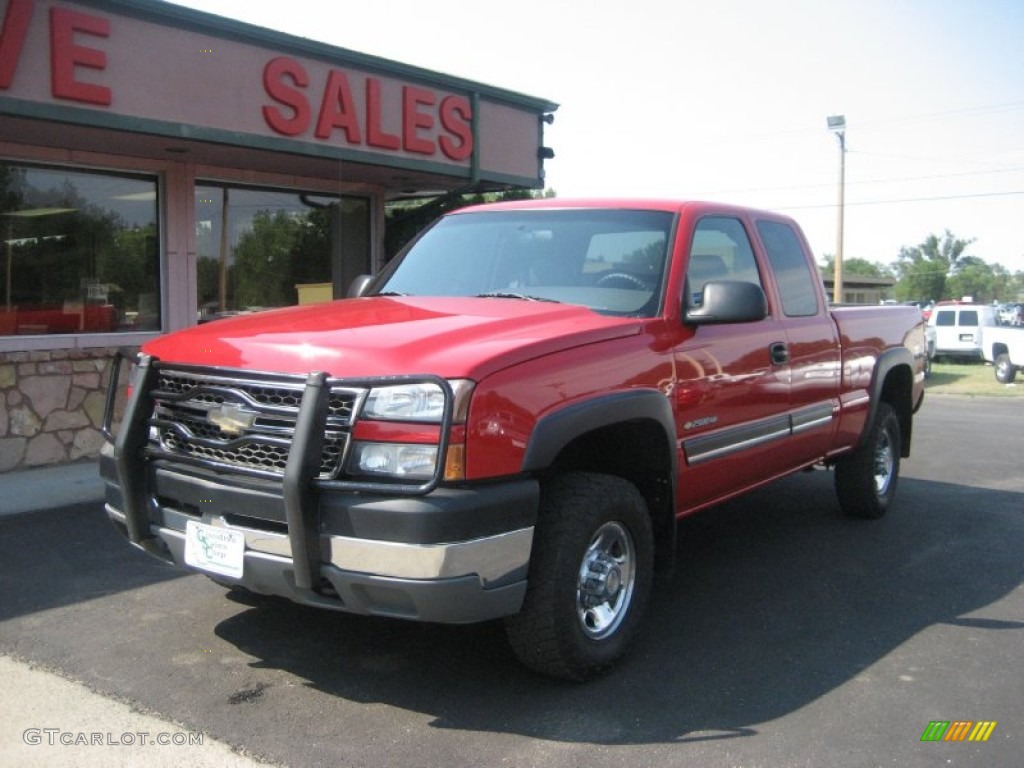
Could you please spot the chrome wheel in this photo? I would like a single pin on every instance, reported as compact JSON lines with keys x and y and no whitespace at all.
{"x":885,"y":460}
{"x":590,"y":576}
{"x":607,"y":577}
{"x":866,"y":478}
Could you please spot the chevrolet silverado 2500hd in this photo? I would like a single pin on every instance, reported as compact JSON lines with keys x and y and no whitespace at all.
{"x":510,"y":418}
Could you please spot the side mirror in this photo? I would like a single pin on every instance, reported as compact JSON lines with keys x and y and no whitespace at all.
{"x":727,"y":301}
{"x":358,"y":286}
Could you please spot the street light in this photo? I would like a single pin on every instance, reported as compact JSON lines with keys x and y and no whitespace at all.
{"x":837,"y":124}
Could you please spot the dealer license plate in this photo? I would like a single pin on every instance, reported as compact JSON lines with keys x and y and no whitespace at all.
{"x":213,"y":549}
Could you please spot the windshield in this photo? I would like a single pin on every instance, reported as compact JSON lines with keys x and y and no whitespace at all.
{"x":612,"y":261}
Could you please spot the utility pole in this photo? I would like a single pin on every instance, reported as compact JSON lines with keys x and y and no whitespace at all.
{"x":837,"y":124}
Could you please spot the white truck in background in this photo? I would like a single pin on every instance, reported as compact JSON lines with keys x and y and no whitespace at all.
{"x":1003,"y":346}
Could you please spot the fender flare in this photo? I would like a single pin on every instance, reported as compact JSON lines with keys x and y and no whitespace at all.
{"x":556,"y":430}
{"x":889,"y":360}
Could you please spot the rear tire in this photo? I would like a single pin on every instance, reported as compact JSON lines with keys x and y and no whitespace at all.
{"x":866,"y":479}
{"x":1006,"y":371}
{"x":590,"y":577}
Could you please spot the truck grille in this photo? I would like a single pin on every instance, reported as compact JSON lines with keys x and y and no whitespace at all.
{"x":241,"y":423}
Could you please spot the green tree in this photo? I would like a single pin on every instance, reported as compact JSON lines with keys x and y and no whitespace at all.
{"x":279,"y":251}
{"x":130,"y":265}
{"x":974,"y":278}
{"x":263,"y":261}
{"x":1014,"y":289}
{"x":923,"y":269}
{"x":923,"y":280}
{"x":855,"y":266}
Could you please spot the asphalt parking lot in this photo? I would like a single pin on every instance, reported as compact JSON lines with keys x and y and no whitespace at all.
{"x":789,"y":636}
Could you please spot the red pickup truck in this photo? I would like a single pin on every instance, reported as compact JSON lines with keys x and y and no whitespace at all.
{"x":509,"y":419}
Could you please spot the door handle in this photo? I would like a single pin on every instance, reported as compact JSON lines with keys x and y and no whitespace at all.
{"x":779,"y":353}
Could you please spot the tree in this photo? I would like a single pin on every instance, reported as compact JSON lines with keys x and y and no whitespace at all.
{"x":974,"y":278}
{"x":923,"y":270}
{"x":861,"y":267}
{"x":279,"y":251}
{"x":922,"y":280}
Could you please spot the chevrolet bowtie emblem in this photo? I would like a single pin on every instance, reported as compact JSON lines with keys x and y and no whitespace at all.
{"x":232,"y":419}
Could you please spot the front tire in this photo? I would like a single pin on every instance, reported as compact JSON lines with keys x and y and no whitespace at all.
{"x":1006,"y":371}
{"x":866,"y":479}
{"x":590,"y":577}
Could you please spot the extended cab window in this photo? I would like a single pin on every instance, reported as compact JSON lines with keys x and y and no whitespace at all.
{"x":791,"y":267}
{"x":720,"y":251}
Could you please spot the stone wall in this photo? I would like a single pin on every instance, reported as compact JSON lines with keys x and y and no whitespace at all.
{"x":51,"y":405}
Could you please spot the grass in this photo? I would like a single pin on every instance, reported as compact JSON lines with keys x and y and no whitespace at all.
{"x":966,"y":378}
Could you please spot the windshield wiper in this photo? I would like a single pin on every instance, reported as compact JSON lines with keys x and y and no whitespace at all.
{"x":512,"y":295}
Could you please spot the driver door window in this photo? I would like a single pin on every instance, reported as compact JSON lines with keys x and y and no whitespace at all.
{"x":720,"y":251}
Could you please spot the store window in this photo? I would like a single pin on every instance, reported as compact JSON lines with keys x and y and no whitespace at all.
{"x":80,"y":252}
{"x":260,"y":248}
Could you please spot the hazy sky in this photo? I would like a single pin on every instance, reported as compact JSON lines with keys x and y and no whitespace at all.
{"x":727,"y":100}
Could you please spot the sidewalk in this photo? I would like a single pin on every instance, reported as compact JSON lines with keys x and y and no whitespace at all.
{"x":30,"y":490}
{"x":56,"y":722}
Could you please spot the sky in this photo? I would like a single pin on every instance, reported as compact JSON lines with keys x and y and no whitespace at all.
{"x":728,"y":101}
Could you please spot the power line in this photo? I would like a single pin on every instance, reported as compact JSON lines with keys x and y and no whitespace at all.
{"x":904,"y":200}
{"x":987,"y":109}
{"x":894,"y":180}
{"x":1010,"y":106}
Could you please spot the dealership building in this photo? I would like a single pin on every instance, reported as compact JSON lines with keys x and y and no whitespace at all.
{"x":160,"y":167}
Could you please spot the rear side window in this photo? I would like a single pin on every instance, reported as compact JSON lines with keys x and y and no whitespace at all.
{"x":792,"y":269}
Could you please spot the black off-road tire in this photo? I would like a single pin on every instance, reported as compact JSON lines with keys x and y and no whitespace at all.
{"x":590,"y":577}
{"x":866,"y":478}
{"x":1006,"y":371}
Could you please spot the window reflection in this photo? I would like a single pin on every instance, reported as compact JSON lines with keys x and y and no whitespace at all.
{"x":80,"y":252}
{"x":260,"y":248}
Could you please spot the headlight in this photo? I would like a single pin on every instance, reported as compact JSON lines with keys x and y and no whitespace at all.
{"x":422,"y":402}
{"x":407,"y":460}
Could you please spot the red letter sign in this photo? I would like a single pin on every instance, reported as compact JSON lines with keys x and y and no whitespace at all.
{"x":12,"y":37}
{"x":273,"y":84}
{"x":456,"y":118}
{"x":375,"y":136}
{"x":337,"y":109}
{"x":65,"y":56}
{"x":413,"y":120}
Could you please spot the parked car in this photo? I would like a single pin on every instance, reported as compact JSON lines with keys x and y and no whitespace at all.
{"x":1011,"y":314}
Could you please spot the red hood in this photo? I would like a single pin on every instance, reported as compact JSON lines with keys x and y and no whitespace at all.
{"x":378,"y":336}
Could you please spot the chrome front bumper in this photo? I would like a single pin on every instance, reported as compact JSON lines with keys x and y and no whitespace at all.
{"x":459,"y":582}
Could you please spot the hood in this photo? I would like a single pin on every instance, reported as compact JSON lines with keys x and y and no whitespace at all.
{"x":383,"y":336}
